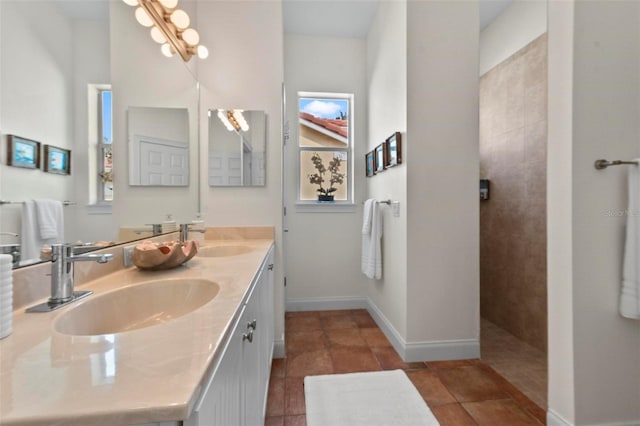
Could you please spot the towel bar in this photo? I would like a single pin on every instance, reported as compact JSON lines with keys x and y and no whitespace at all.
{"x":387,"y":202}
{"x":64,"y":203}
{"x":603,"y":164}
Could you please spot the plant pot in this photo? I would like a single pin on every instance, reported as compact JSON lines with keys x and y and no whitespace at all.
{"x":325,"y":197}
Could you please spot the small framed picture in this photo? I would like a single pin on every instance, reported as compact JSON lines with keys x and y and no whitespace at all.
{"x":394,"y":150}
{"x":57,"y":160}
{"x":23,"y":152}
{"x":370,"y":161}
{"x":381,"y":157}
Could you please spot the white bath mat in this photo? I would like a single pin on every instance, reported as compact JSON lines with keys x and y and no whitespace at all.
{"x":381,"y":398}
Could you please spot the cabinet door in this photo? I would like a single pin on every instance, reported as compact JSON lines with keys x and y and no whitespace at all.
{"x":251,"y":361}
{"x":267,"y":330}
{"x":222,"y":403}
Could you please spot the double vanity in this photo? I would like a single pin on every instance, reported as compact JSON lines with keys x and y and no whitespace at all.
{"x":187,"y":346}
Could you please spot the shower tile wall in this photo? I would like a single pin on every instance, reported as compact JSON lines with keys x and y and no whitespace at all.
{"x":513,"y":151}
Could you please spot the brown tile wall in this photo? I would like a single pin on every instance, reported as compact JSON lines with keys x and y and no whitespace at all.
{"x":513,"y":152}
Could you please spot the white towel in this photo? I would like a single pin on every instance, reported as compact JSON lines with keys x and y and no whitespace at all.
{"x":50,"y":219}
{"x":630,"y":291}
{"x":31,"y":242}
{"x":371,"y":242}
{"x":367,"y":216}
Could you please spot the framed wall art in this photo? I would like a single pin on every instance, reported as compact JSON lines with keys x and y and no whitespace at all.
{"x":394,"y":150}
{"x":57,"y":160}
{"x":370,"y":161}
{"x":23,"y":152}
{"x":381,"y":157}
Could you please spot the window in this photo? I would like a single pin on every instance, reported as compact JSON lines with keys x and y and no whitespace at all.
{"x":325,"y":145}
{"x":105,"y":154}
{"x":99,"y":152}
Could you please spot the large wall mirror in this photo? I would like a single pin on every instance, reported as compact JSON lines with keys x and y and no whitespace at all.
{"x":237,"y":147}
{"x":70,"y":71}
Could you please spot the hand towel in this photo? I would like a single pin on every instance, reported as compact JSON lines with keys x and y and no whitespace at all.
{"x":50,"y":219}
{"x":371,"y":242}
{"x":630,"y":290}
{"x":366,"y":219}
{"x":30,"y":240}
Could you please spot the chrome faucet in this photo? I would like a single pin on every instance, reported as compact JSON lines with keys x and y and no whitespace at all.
{"x":184,"y":231}
{"x":156,"y":229}
{"x":62,"y":260}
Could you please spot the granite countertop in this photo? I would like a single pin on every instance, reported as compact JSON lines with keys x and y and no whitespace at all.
{"x":147,"y":375}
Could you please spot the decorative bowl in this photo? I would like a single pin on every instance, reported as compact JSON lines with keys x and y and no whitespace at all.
{"x":166,"y":255}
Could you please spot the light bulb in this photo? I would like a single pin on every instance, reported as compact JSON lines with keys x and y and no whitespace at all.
{"x":157,"y":35}
{"x":142,"y":17}
{"x":203,"y":52}
{"x":169,"y":4}
{"x":180,"y":19}
{"x":131,"y":2}
{"x":166,"y":50}
{"x":191,"y":37}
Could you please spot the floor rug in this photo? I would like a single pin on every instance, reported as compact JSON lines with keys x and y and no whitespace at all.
{"x":381,"y":398}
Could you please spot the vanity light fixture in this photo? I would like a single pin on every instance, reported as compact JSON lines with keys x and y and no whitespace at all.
{"x":169,"y":27}
{"x":233,"y":120}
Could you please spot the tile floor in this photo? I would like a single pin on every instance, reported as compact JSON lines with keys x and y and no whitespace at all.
{"x":521,"y":364}
{"x":459,"y":393}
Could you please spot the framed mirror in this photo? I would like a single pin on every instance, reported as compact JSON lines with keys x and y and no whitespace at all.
{"x":237,"y":147}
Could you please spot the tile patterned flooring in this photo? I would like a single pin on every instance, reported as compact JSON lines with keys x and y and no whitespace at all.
{"x":459,"y":393}
{"x":518,"y":362}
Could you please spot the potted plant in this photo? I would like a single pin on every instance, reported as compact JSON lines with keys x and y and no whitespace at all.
{"x":336,"y":178}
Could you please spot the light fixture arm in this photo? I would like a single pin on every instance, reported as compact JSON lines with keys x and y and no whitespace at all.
{"x":159,"y":21}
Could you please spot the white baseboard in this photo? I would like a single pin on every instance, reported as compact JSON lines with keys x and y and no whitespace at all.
{"x":424,"y":351}
{"x":554,"y":419}
{"x":278,"y":349}
{"x":325,"y":303}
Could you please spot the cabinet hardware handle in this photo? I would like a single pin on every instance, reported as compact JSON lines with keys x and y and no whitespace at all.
{"x":251,"y":325}
{"x":270,"y":267}
{"x":248,"y":336}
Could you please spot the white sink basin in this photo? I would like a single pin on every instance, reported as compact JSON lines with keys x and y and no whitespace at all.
{"x":223,"y":251}
{"x":138,"y":306}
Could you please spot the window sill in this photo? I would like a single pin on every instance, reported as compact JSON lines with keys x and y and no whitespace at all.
{"x":99,"y":209}
{"x":325,"y":207}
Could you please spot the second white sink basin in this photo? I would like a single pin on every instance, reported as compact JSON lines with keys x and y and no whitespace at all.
{"x":137,"y":306}
{"x":223,"y":251}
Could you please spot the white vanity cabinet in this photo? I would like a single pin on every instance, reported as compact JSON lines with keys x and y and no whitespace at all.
{"x":236,"y":392}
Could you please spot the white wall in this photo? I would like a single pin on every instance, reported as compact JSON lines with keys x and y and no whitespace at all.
{"x":442,"y":174}
{"x":606,"y":95}
{"x":387,"y":85}
{"x":37,"y":101}
{"x":142,"y":77}
{"x":520,"y":23}
{"x":323,"y":248}
{"x":560,"y":352}
{"x":586,"y":275}
{"x":244,"y":70}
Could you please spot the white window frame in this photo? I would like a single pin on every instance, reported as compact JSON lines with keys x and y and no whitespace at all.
{"x":338,"y":205}
{"x":97,"y":204}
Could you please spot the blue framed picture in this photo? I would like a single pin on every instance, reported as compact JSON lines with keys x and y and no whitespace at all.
{"x":370,"y":161}
{"x":57,"y":160}
{"x":22,"y":152}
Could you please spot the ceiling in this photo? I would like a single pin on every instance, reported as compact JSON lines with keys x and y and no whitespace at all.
{"x":352,"y":18}
{"x":337,"y":18}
